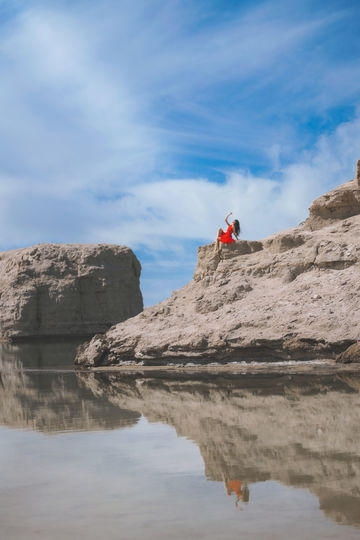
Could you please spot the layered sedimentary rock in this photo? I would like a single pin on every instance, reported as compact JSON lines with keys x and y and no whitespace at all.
{"x":67,"y":289}
{"x":293,"y":295}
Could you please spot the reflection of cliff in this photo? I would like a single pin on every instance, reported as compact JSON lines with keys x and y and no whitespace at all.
{"x":41,"y":354}
{"x":301,"y":433}
{"x":52,"y":402}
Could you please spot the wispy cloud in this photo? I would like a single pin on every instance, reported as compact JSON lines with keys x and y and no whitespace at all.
{"x":63,"y":116}
{"x":106,"y":95}
{"x":145,"y":122}
{"x":159,"y":215}
{"x":156,"y":214}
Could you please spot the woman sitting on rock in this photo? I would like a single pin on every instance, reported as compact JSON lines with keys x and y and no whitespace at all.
{"x":226,"y":237}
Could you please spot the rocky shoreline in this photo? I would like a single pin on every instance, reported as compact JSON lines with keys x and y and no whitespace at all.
{"x":291,"y":296}
{"x":206,"y":372}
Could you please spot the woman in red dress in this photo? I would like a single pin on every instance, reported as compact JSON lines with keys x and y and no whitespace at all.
{"x":226,"y":237}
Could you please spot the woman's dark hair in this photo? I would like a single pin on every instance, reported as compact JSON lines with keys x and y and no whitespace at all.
{"x":237,"y":226}
{"x":245,"y":494}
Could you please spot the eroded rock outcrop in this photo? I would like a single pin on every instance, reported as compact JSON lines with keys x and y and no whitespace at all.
{"x":67,"y":289}
{"x":350,"y":355}
{"x":294,"y":295}
{"x":339,"y":203}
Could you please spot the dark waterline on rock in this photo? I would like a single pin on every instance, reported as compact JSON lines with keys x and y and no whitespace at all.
{"x":169,"y":455}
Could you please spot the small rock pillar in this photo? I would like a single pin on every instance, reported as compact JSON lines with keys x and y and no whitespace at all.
{"x":357,"y":176}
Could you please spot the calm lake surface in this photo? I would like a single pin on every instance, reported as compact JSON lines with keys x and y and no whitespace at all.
{"x":166,"y":456}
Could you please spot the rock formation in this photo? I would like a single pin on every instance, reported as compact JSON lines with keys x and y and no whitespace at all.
{"x":293,"y":295}
{"x":67,"y":289}
{"x":340,"y":203}
{"x":350,"y":355}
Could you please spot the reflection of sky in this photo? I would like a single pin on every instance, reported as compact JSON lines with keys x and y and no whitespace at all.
{"x":139,"y":482}
{"x":144,"y":123}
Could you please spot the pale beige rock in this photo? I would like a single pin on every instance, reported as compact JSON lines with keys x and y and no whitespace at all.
{"x":340,"y":203}
{"x":294,"y":295}
{"x":67,"y":289}
{"x":351,"y":355}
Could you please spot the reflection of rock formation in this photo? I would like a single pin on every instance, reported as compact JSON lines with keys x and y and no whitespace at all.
{"x":301,"y":433}
{"x":52,"y":402}
{"x":41,"y":354}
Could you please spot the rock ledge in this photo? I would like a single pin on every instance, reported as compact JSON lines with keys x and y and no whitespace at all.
{"x":291,"y":296}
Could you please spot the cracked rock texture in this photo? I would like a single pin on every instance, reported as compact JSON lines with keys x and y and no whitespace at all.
{"x":67,"y":289}
{"x":293,"y":295}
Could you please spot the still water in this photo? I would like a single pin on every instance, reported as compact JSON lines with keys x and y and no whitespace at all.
{"x":165,"y":456}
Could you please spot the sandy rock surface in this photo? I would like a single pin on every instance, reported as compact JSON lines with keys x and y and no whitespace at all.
{"x":294,"y":295}
{"x":67,"y":289}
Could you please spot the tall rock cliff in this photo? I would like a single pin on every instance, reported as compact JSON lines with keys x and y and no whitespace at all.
{"x":67,"y":289}
{"x":293,"y":295}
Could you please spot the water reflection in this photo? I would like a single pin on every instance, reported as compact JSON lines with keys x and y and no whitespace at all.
{"x":301,"y":431}
{"x":44,"y":354}
{"x":51,"y":402}
{"x":240,"y":489}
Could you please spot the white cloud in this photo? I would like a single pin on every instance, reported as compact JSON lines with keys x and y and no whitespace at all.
{"x":161,"y":215}
{"x":103,"y":108}
{"x":64,"y":117}
{"x":112,"y":95}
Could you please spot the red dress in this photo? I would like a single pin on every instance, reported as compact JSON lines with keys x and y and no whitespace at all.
{"x":226,"y":238}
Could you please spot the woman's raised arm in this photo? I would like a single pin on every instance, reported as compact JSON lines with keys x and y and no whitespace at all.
{"x":226,"y":219}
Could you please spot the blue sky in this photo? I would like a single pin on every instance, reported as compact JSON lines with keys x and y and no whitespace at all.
{"x":144,"y":122}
